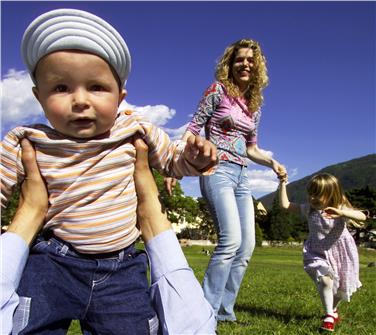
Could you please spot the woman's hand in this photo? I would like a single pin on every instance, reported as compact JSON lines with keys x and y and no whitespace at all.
{"x":201,"y":153}
{"x":151,"y":218}
{"x":258,"y":156}
{"x":33,"y":203}
{"x":279,"y":169}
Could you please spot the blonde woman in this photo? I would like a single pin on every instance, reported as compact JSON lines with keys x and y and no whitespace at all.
{"x":230,"y":112}
{"x":330,"y":253}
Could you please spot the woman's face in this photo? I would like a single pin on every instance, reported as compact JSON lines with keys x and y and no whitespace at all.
{"x":241,"y":67}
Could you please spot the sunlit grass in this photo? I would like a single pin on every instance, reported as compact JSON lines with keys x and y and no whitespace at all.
{"x":277,"y":297}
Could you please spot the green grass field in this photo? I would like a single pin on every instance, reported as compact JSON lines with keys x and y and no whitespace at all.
{"x":277,"y":297}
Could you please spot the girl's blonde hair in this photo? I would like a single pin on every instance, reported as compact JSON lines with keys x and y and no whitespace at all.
{"x":259,"y":75}
{"x":327,"y":187}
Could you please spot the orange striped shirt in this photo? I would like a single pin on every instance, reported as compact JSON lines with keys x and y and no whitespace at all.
{"x":90,"y":183}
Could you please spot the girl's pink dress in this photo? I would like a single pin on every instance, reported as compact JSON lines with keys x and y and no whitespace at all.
{"x":331,"y":250}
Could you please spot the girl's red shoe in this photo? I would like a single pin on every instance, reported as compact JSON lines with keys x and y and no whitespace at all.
{"x":328,"y":325}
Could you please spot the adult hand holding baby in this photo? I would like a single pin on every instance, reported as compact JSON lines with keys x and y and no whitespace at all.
{"x":200,"y":152}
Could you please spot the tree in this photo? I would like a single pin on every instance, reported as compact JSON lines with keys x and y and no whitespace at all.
{"x":364,"y":199}
{"x":281,"y":225}
{"x":207,"y":222}
{"x":8,"y":213}
{"x":259,"y":235}
{"x":299,"y":225}
{"x":178,"y":206}
{"x":260,"y":220}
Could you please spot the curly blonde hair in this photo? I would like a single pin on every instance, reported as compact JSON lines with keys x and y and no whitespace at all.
{"x":259,"y":76}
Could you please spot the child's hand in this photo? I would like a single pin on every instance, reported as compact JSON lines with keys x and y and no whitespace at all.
{"x":280,"y":170}
{"x":283,"y":178}
{"x":332,"y":212}
{"x":201,"y":153}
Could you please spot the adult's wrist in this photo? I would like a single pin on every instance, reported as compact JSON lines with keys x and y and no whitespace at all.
{"x":27,"y":223}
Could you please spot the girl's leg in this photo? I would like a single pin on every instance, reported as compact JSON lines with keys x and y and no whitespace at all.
{"x":239,"y":265}
{"x":325,"y":288}
{"x":336,"y":302}
{"x":218,"y":190}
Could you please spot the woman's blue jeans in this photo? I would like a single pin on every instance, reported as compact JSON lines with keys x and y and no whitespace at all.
{"x":230,"y":200}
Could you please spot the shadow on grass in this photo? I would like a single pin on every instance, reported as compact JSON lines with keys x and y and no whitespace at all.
{"x":264,"y":312}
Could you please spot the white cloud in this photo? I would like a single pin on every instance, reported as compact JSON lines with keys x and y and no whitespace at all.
{"x":176,"y":134}
{"x":18,"y":104}
{"x":263,"y":181}
{"x":265,"y":152}
{"x":158,"y":114}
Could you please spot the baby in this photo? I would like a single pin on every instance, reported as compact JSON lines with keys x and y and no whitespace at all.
{"x":85,"y":259}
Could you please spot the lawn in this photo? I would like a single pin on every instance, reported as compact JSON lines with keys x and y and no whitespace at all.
{"x":277,"y":297}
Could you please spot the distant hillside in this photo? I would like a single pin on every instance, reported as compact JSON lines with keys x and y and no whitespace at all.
{"x":355,"y":173}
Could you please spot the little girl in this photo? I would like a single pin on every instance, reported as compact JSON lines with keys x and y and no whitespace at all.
{"x":330,"y":254}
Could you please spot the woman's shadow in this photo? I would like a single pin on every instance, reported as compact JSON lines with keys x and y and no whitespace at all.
{"x":264,"y":312}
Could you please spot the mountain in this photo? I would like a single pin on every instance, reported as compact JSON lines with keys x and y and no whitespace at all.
{"x":355,"y":173}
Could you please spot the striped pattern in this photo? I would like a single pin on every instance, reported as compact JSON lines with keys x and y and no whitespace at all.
{"x":91,"y":188}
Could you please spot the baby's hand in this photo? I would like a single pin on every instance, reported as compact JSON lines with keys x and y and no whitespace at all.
{"x":201,"y":153}
{"x":332,"y":212}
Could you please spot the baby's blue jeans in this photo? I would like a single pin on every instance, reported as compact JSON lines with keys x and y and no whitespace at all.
{"x":108,"y":293}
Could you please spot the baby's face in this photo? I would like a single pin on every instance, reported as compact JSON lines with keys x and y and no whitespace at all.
{"x":78,"y":93}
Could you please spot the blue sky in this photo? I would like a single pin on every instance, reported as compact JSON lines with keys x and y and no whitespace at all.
{"x":319,"y":107}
